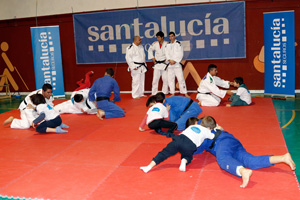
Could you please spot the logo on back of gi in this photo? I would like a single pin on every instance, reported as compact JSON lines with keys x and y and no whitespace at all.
{"x":155,"y":109}
{"x":196,"y":129}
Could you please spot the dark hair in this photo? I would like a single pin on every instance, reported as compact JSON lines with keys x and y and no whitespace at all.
{"x":191,"y":121}
{"x":78,"y":97}
{"x":110,"y":72}
{"x":151,"y":99}
{"x":208,"y":122}
{"x":211,"y":66}
{"x":172,"y":33}
{"x":46,"y":86}
{"x":160,"y":34}
{"x":160,"y":97}
{"x":239,"y":80}
{"x":37,"y":99}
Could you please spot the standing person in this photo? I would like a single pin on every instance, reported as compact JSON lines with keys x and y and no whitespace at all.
{"x":182,"y":108}
{"x":79,"y":103}
{"x":208,"y":92}
{"x":233,"y":157}
{"x":242,"y":97}
{"x":186,"y":144}
{"x":101,"y":91}
{"x":174,"y":55}
{"x":51,"y":120}
{"x":135,"y":58}
{"x":157,"y":117}
{"x":28,"y":115}
{"x":160,"y":63}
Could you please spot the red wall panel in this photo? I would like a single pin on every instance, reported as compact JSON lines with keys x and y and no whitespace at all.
{"x":16,"y":33}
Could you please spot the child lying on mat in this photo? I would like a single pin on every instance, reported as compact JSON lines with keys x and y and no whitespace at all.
{"x":233,"y":157}
{"x":156,"y":117}
{"x":52,"y":121}
{"x":242,"y":97}
{"x":186,"y":144}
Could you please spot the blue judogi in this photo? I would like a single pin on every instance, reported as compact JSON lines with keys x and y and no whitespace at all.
{"x":230,"y":154}
{"x":178,"y":113}
{"x":103,"y":87}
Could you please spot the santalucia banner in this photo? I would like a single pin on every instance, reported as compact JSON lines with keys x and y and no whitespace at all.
{"x":206,"y":31}
{"x":279,"y":39}
{"x":47,"y":58}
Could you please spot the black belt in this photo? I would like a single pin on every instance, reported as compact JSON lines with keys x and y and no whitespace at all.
{"x":189,"y":104}
{"x":102,"y":98}
{"x":218,"y":133}
{"x":140,"y":65}
{"x":86,"y":103}
{"x":204,"y":93}
{"x":25,"y":102}
{"x":159,"y":62}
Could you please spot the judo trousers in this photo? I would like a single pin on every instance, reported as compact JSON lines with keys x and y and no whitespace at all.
{"x":181,"y":144}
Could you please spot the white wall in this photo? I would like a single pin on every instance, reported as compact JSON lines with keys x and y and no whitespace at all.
{"x":12,"y":9}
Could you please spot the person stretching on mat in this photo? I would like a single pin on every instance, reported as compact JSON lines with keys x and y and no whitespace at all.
{"x":157,"y":117}
{"x":186,"y":144}
{"x":52,"y":121}
{"x":181,"y":109}
{"x":233,"y":157}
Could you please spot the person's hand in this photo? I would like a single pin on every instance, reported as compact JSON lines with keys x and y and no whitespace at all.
{"x":33,"y":125}
{"x":229,"y":92}
{"x":154,"y":60}
{"x":141,"y":129}
{"x":168,"y":107}
{"x":30,"y":106}
{"x":172,"y":62}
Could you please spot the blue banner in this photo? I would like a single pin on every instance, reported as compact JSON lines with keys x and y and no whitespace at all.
{"x":279,"y":37}
{"x":47,"y":58}
{"x":210,"y":31}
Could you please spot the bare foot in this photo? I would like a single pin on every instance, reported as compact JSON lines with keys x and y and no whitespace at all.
{"x":288,"y":160}
{"x":246,"y":174}
{"x":228,"y":105}
{"x":199,"y":103}
{"x":8,"y":120}
{"x":136,"y":98}
{"x":172,"y":95}
{"x":186,"y":95}
{"x":100,"y":114}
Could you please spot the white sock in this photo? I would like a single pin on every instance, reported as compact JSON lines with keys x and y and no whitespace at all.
{"x":182,"y":166}
{"x":146,"y":168}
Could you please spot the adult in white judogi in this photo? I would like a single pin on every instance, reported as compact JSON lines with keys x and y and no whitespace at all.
{"x":174,"y":55}
{"x":135,"y":58}
{"x":77,"y":104}
{"x":160,"y":63}
{"x":27,"y":114}
{"x":208,"y":92}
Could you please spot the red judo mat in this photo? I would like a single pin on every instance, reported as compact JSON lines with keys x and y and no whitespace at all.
{"x":100,"y":159}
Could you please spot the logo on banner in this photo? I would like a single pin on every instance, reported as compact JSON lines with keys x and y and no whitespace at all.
{"x":218,"y":31}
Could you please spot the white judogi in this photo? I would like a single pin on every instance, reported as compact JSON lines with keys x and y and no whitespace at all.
{"x":136,"y":54}
{"x":157,"y":111}
{"x":159,"y":68}
{"x":208,"y":92}
{"x":174,"y":51}
{"x":50,"y":113}
{"x":244,"y":94}
{"x":28,"y":115}
{"x":71,"y":106}
{"x":197,"y":134}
